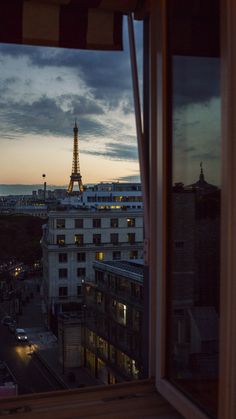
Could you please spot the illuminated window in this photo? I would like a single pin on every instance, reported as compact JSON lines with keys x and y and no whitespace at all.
{"x":130,"y":222}
{"x":61,"y":239}
{"x":99,"y":256}
{"x":79,"y":239}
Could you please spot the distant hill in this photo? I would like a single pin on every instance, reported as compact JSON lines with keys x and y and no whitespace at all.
{"x":20,"y":237}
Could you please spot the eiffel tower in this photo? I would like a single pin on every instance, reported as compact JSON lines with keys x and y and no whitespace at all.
{"x":75,"y":175}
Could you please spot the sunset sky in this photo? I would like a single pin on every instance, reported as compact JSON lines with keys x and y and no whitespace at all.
{"x":43,"y":90}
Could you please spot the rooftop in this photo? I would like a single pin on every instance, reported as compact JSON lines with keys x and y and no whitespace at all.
{"x":123,"y":267}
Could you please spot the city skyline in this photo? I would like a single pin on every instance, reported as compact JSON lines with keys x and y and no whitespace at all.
{"x":43,"y":90}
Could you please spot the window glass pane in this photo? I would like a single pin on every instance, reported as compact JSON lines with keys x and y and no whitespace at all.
{"x":194,"y":207}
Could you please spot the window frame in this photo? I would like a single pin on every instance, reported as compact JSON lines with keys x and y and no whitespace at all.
{"x":158,"y":79}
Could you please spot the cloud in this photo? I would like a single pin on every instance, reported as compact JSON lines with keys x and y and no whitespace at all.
{"x":115,"y":151}
{"x":195,"y":80}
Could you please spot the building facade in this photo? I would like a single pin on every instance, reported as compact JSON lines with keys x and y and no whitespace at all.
{"x":114,"y":322}
{"x":74,"y":239}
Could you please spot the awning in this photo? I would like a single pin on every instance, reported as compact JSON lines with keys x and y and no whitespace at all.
{"x":83,"y":24}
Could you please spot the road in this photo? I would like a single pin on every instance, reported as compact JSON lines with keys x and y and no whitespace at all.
{"x":31,"y":375}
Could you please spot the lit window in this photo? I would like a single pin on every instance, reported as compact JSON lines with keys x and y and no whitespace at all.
{"x":79,"y":239}
{"x":99,"y":256}
{"x":130,"y":222}
{"x":61,"y":239}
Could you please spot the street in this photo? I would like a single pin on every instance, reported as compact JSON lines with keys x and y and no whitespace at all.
{"x":31,"y":375}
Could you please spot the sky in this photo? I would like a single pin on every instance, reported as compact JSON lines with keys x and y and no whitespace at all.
{"x":43,"y":90}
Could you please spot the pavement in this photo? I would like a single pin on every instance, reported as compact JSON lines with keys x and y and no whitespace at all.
{"x":45,"y":347}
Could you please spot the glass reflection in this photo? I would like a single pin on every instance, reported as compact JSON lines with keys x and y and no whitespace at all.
{"x":194,"y":239}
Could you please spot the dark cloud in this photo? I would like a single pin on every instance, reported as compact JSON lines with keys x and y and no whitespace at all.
{"x":196,"y":80}
{"x":116,"y":151}
{"x":107,"y":74}
{"x":132,"y":178}
{"x":45,"y":116}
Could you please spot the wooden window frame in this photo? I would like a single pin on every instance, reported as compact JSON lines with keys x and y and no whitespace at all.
{"x":158,"y":103}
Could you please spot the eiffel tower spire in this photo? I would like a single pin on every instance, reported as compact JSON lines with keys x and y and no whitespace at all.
{"x":75,"y":175}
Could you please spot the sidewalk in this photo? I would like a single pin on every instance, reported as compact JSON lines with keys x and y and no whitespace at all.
{"x":45,"y":346}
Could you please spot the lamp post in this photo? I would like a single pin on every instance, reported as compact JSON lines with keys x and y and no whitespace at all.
{"x":44,"y":186}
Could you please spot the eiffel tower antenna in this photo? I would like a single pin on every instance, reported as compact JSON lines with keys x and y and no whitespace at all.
{"x":75,"y":175}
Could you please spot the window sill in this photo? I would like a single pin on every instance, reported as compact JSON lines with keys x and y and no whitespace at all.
{"x":134,"y":400}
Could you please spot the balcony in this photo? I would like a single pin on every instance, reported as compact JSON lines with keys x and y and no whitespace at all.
{"x":133,"y":400}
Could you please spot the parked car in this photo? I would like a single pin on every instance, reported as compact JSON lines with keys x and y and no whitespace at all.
{"x":21,"y":335}
{"x":7,"y":320}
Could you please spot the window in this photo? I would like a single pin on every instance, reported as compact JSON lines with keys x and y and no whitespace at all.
{"x":114,"y":238}
{"x":79,"y":290}
{"x":63,"y":291}
{"x":131,"y":238}
{"x":62,"y":257}
{"x":60,"y":223}
{"x":81,"y":272}
{"x":116,"y":255}
{"x":81,"y":257}
{"x":62,"y":273}
{"x":79,"y":239}
{"x":99,"y":297}
{"x":99,"y":256}
{"x":189,"y":232}
{"x":97,"y":238}
{"x":133,"y":254}
{"x":114,"y":222}
{"x":130,"y":222}
{"x":79,"y":223}
{"x":61,"y":239}
{"x":96,"y":222}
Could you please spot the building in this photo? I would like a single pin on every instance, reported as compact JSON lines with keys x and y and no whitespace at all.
{"x":113,"y":195}
{"x":172,"y":29}
{"x":73,"y":240}
{"x":113,"y":338}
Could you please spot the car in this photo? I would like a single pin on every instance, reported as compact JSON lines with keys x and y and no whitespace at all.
{"x":7,"y":320}
{"x":21,"y":335}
